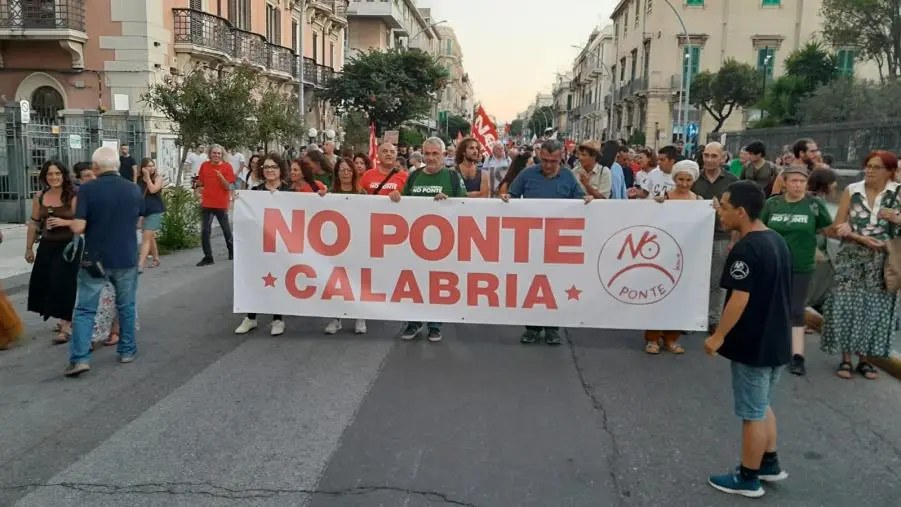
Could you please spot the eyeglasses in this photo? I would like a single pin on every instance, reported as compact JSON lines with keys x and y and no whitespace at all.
{"x":270,"y":167}
{"x":345,"y":170}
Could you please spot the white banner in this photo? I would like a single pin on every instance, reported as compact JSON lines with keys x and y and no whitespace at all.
{"x":606,"y":264}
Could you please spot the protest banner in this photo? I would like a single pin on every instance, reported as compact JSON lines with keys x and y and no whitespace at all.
{"x":606,"y":264}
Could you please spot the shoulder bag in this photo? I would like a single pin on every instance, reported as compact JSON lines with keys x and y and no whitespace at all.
{"x":382,"y":184}
{"x":892,"y":270}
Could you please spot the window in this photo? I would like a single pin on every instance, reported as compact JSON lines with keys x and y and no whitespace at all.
{"x":294,"y":30}
{"x":626,"y":23}
{"x":450,"y":47}
{"x":634,"y":63}
{"x":774,"y":3}
{"x":622,"y":69}
{"x":845,"y":59}
{"x":273,"y":24}
{"x":315,"y":46}
{"x":691,"y":59}
{"x":766,"y":60}
{"x":694,"y":2}
{"x":331,"y":55}
{"x":650,"y":6}
{"x":238,"y":13}
{"x":637,"y":11}
{"x":647,"y":59}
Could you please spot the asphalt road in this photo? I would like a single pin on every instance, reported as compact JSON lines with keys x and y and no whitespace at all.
{"x":204,"y":417}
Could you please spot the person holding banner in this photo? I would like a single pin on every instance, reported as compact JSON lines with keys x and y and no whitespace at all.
{"x":438,"y":182}
{"x":385,"y":177}
{"x":274,"y":171}
{"x":468,"y":158}
{"x":302,"y":178}
{"x":546,"y":181}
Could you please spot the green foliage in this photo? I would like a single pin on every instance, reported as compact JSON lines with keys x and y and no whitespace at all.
{"x":411,"y":137}
{"x":734,"y":85}
{"x":813,"y":64}
{"x":356,"y":132}
{"x":516,"y":127}
{"x":277,"y":118}
{"x":872,"y":27}
{"x":542,"y":119}
{"x":637,"y":138}
{"x":456,"y":124}
{"x":847,"y":100}
{"x":807,"y":69}
{"x":390,"y":87}
{"x":782,"y":99}
{"x":181,"y":222}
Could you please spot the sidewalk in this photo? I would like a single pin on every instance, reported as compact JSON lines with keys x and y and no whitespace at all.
{"x":14,"y":271}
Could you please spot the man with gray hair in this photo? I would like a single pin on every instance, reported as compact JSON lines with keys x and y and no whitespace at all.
{"x":107,"y":213}
{"x":497,"y":165}
{"x":546,"y":180}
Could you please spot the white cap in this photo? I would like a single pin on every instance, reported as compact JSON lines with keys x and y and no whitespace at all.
{"x":686,"y":166}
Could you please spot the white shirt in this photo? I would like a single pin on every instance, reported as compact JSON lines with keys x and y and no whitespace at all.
{"x":238,"y":161}
{"x":195,"y":160}
{"x":658,"y":183}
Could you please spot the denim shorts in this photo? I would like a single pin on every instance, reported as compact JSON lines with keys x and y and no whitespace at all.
{"x":752,"y":388}
{"x":153,"y":222}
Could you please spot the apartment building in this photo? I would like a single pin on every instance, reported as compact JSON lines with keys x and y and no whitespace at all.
{"x":590,"y":83}
{"x":653,"y":58}
{"x":563,"y":102}
{"x":457,"y":97}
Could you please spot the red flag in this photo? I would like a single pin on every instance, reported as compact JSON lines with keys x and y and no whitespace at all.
{"x":373,"y":146}
{"x":483,"y":130}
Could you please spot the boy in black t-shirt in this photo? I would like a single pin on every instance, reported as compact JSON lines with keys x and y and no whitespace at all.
{"x":754,"y":333}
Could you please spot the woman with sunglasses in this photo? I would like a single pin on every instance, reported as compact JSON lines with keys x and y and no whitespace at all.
{"x":274,"y":171}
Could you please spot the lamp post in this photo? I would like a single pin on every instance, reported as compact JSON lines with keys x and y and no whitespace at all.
{"x":686,"y":79}
{"x":300,"y":62}
{"x":430,"y":27}
{"x":766,"y":68}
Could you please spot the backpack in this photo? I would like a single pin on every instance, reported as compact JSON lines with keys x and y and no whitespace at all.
{"x":415,"y":174}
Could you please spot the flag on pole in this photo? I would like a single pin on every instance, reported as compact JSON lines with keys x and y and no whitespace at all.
{"x":373,"y":145}
{"x":483,"y":129}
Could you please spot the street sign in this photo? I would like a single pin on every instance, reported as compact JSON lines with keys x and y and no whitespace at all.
{"x":442,"y":116}
{"x":75,"y":141}
{"x":692,"y":129}
{"x":25,"y":108}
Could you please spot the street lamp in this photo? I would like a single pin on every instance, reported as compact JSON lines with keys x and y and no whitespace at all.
{"x":430,"y":27}
{"x":766,"y":68}
{"x":686,"y":79}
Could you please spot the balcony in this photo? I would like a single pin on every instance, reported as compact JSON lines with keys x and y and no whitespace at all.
{"x":587,"y":109}
{"x":205,"y":34}
{"x":595,"y":69}
{"x":57,"y":20}
{"x":335,"y":9}
{"x":384,"y":10}
{"x":607,"y":101}
{"x":639,"y":85}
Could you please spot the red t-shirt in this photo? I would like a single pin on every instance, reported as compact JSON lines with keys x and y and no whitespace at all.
{"x":214,"y":196}
{"x":372,"y":178}
{"x":307,"y":188}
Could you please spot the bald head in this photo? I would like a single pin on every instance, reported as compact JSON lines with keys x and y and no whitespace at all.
{"x":713,"y":157}
{"x":105,"y":159}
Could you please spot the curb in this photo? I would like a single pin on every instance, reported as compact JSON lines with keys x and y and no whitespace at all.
{"x":890,"y":365}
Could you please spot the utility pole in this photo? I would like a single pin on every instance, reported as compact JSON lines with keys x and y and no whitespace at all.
{"x":686,"y":79}
{"x":300,"y":62}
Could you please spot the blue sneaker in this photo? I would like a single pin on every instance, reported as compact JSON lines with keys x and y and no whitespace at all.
{"x":772,"y":473}
{"x":732,"y":483}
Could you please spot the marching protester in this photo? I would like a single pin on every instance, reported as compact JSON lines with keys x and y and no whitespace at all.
{"x":754,"y":334}
{"x":346,"y":179}
{"x":758,"y":169}
{"x":329,"y":151}
{"x":475,"y":179}
{"x":520,"y":162}
{"x":322,"y":166}
{"x":610,"y":158}
{"x":859,"y":314}
{"x":51,"y":287}
{"x":385,"y":178}
{"x":437,"y":182}
{"x":497,"y":166}
{"x":252,"y":175}
{"x":106,"y":214}
{"x":275,"y":171}
{"x":684,"y":174}
{"x":659,"y":180}
{"x":546,"y":181}
{"x":151,"y":185}
{"x":362,"y":163}
{"x":594,"y":179}
{"x":711,"y":184}
{"x":214,"y":182}
{"x":647,"y":161}
{"x":797,"y":217}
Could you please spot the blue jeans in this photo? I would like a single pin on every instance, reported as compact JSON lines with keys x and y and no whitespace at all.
{"x":125,"y":281}
{"x":752,"y":388}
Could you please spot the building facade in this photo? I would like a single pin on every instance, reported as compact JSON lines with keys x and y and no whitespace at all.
{"x":653,"y":59}
{"x":457,"y":96}
{"x":563,"y":103}
{"x":591,"y":82}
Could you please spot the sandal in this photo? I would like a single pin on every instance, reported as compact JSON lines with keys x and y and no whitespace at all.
{"x":844,"y":370}
{"x":652,"y":348}
{"x":673,"y":348}
{"x":112,"y":340}
{"x":154,"y":264}
{"x":867,"y":370}
{"x":62,"y":337}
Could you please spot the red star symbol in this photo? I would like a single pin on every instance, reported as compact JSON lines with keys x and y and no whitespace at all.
{"x":573,"y":293}
{"x":269,"y":280}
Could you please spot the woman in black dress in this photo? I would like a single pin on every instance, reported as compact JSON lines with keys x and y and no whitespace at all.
{"x":52,"y":286}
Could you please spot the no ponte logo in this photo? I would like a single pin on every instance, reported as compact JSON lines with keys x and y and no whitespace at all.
{"x":640,"y":265}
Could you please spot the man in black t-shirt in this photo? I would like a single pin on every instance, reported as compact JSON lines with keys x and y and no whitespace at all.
{"x":754,"y":332}
{"x":128,"y":168}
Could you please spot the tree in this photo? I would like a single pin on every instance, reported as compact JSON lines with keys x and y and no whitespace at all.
{"x":356,"y":132}
{"x":847,"y":100}
{"x":516,"y":128}
{"x":411,"y":137}
{"x":390,"y":87}
{"x":781,"y":102}
{"x":734,"y":85}
{"x":813,"y":64}
{"x":205,"y":106}
{"x":456,"y":124}
{"x":542,"y":119}
{"x":871,"y":27}
{"x":806,"y":69}
{"x":276,"y":118}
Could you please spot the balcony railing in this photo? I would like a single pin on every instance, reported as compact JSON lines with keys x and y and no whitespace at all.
{"x":42,"y":15}
{"x":214,"y":33}
{"x":639,"y":85}
{"x":336,"y":7}
{"x":587,"y":109}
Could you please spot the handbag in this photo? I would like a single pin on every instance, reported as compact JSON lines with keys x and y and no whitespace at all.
{"x":891,"y":272}
{"x":11,"y":327}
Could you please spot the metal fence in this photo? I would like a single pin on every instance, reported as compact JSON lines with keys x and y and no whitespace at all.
{"x":847,"y":143}
{"x":25,"y":147}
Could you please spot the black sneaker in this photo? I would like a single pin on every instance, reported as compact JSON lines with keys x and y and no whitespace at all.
{"x":530,"y":336}
{"x":410,"y":331}
{"x":206,"y":261}
{"x":552,"y":337}
{"x":796,"y":366}
{"x":434,"y":334}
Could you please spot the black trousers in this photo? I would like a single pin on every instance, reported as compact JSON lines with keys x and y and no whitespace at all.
{"x":207,"y":228}
{"x":253,"y":316}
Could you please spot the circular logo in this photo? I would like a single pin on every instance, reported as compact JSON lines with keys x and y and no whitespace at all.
{"x":640,"y":265}
{"x":739,"y":270}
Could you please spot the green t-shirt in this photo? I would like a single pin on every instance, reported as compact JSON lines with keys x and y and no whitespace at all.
{"x":735,"y":167}
{"x":445,"y":181}
{"x":798,"y":223}
{"x":325,"y":178}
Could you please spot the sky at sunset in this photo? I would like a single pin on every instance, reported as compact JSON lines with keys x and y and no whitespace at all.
{"x":513,"y":48}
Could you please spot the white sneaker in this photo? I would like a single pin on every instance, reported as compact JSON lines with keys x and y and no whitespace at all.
{"x":333,"y":327}
{"x":360,"y":326}
{"x":278,"y":327}
{"x":247,"y":325}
